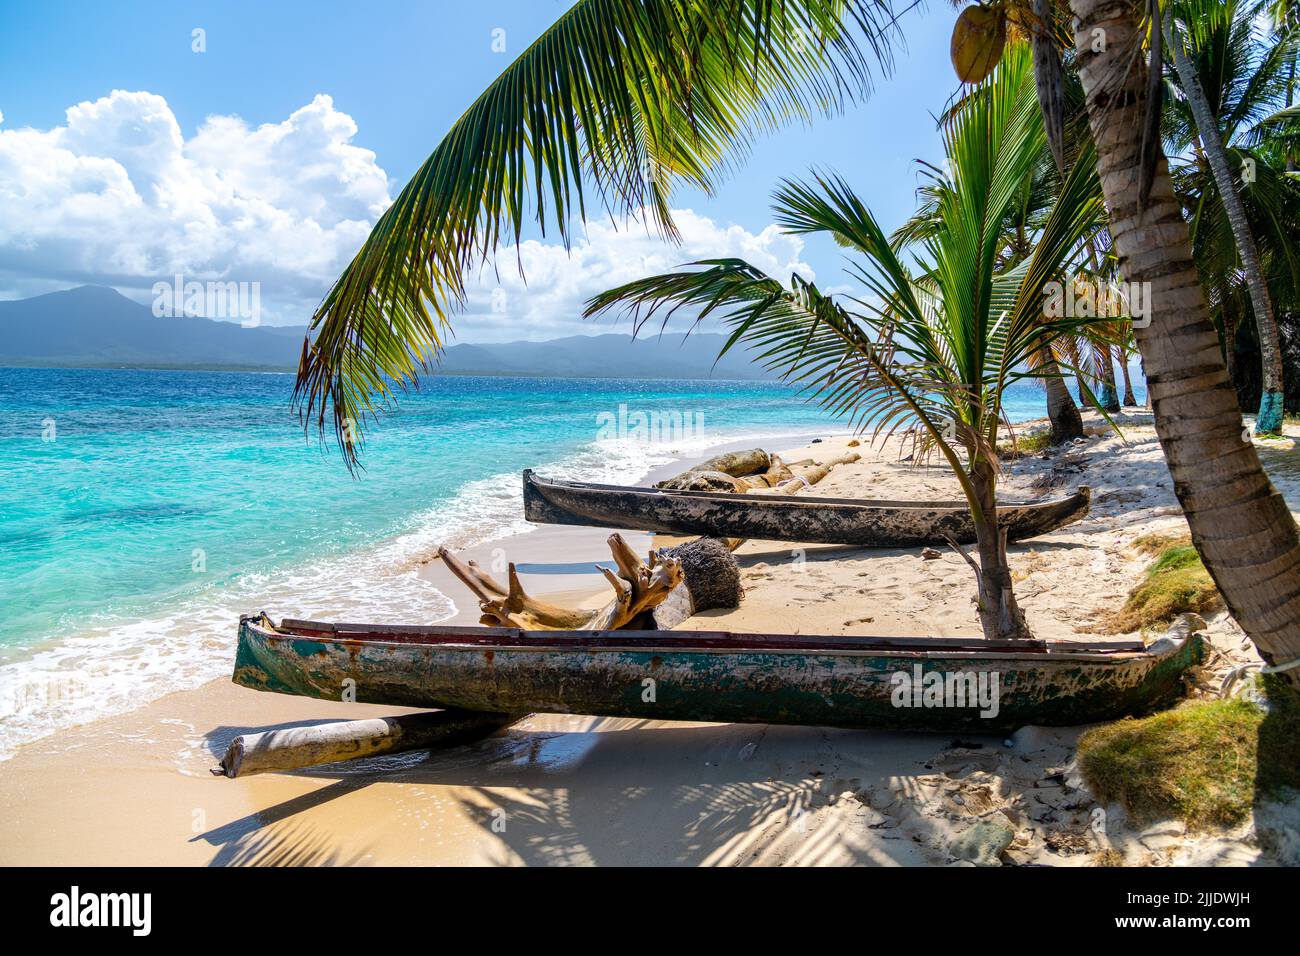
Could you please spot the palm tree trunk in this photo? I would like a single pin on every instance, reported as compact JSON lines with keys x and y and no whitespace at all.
{"x":1130,"y":400}
{"x":1269,"y":419}
{"x":1049,"y":80}
{"x":1087,"y":396}
{"x":1230,"y":345}
{"x":1107,"y":398}
{"x":1000,"y":616}
{"x":1066,"y":422}
{"x":1240,"y":524}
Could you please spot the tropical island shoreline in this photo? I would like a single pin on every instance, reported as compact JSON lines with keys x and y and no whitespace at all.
{"x":136,"y":788}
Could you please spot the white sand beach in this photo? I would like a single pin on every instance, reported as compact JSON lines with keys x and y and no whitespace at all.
{"x":555,"y":789}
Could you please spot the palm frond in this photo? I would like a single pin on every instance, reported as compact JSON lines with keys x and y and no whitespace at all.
{"x":933,"y":349}
{"x":622,"y":99}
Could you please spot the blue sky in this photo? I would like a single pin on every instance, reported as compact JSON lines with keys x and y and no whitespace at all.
{"x":401,"y":73}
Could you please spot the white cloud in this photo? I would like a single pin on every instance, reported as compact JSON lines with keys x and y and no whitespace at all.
{"x":118,"y":196}
{"x":547,"y":301}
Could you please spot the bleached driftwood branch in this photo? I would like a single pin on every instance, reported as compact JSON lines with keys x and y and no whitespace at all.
{"x":638,"y":586}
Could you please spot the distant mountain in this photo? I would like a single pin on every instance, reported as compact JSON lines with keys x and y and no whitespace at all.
{"x":605,"y":356}
{"x":96,"y":327}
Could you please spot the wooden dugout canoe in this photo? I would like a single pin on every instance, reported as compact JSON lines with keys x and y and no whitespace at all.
{"x":717,"y":676}
{"x":863,"y":522}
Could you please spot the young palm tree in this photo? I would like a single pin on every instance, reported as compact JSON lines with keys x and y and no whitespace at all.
{"x":933,"y":347}
{"x":1241,"y":526}
{"x":614,"y":105}
{"x":1025,"y":216}
{"x":1221,"y":34}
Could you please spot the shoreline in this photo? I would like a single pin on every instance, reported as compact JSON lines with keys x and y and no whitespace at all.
{"x":36,"y":686}
{"x":569,"y":789}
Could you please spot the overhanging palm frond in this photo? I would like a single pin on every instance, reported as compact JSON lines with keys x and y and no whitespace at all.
{"x":627,"y":98}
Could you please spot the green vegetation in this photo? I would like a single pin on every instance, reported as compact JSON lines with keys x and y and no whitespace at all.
{"x":1205,"y":762}
{"x":1158,"y":541}
{"x":1022,"y":445}
{"x":1175,"y":582}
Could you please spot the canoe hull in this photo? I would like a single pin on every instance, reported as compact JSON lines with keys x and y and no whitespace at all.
{"x":850,"y":521}
{"x":837,"y":682}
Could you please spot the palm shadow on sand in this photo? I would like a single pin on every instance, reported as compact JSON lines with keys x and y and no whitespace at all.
{"x":627,"y":792}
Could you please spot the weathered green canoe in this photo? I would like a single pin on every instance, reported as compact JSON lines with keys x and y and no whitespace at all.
{"x":937,"y":684}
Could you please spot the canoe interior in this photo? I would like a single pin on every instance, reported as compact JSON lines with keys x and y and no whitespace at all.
{"x":506,"y":637}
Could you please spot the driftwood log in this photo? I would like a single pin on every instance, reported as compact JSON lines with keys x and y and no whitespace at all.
{"x":638,"y":587}
{"x":710,"y":579}
{"x":731,"y":464}
{"x":690,"y":577}
{"x":776,"y":477}
{"x":291,"y":748}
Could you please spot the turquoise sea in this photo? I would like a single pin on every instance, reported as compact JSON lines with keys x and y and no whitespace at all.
{"x":142,"y":511}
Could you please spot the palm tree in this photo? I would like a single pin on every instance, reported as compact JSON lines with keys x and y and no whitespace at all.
{"x":1240,"y":524}
{"x":1195,"y":23}
{"x":1122,"y":352}
{"x":1024,"y":217}
{"x":1243,"y":77}
{"x":933,"y":348}
{"x":614,"y":105}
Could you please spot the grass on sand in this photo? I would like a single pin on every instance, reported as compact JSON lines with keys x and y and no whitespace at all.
{"x":1174,"y":583}
{"x":1204,"y":762}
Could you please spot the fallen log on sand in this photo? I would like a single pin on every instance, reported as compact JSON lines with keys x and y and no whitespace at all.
{"x":731,"y":464}
{"x":710,"y":579}
{"x":291,"y":748}
{"x":699,"y":574}
{"x":775,"y":477}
